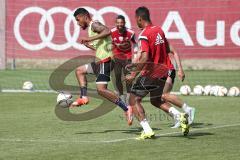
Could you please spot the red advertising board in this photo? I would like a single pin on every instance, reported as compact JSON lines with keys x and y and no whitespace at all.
{"x":196,"y":28}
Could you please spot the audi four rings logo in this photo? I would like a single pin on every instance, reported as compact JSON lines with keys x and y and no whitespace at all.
{"x":47,"y":18}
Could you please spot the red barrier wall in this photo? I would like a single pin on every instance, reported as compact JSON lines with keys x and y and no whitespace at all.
{"x":197,"y":28}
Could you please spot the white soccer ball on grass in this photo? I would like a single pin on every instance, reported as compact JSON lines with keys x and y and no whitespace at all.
{"x":207,"y":90}
{"x":27,"y":85}
{"x":185,"y":90}
{"x":214,"y":90}
{"x":198,"y":90}
{"x":233,"y":91}
{"x":64,"y":99}
{"x":222,"y":91}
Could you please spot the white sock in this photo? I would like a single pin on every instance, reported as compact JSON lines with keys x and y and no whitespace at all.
{"x":186,"y":108}
{"x":146,"y":127}
{"x":174,"y":112}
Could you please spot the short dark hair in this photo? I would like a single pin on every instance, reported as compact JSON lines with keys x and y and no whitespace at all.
{"x":143,"y":12}
{"x":121,"y":17}
{"x":82,"y":11}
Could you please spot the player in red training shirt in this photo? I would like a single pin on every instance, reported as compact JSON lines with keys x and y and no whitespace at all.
{"x":123,"y":40}
{"x":153,"y":68}
{"x":174,"y":58}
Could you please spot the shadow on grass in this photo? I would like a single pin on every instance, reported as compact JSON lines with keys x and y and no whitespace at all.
{"x":135,"y":130}
{"x":198,"y":125}
{"x":192,"y":135}
{"x":201,"y":125}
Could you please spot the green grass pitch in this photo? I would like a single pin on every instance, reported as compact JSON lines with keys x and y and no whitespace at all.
{"x":29,"y":128}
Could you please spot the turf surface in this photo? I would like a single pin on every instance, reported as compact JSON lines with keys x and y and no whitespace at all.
{"x":30,"y":130}
{"x":13,"y":79}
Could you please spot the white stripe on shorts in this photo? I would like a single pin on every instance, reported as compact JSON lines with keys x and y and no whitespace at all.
{"x":101,"y":82}
{"x":89,"y":68}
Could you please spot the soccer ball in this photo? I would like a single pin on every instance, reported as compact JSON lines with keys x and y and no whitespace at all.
{"x":221,"y":91}
{"x":207,"y":90}
{"x":185,"y":90}
{"x":214,"y":90}
{"x":28,"y":85}
{"x":64,"y":99}
{"x":233,"y":91}
{"x":198,"y":90}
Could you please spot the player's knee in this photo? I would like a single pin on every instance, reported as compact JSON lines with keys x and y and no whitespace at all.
{"x":101,"y":90}
{"x":80,"y":70}
{"x":133,"y":100}
{"x":165,"y":96}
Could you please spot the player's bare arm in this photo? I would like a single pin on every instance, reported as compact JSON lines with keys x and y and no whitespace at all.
{"x":181,"y":73}
{"x":135,"y":46}
{"x":135,"y":49}
{"x":89,"y":46}
{"x":133,"y":40}
{"x":98,"y":28}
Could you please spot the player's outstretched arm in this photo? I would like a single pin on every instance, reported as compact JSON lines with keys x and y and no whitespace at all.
{"x":181,"y":73}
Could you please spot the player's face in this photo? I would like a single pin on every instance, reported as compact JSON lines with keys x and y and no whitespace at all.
{"x":120,"y":24}
{"x":139,"y":21}
{"x":81,"y":19}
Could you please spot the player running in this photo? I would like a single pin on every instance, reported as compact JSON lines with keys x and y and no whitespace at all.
{"x":153,"y":67}
{"x":170,"y":82}
{"x":169,"y":85}
{"x":122,"y":39}
{"x":98,"y":40}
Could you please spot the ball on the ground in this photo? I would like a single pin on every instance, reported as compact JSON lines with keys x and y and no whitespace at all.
{"x":214,"y":90}
{"x":28,"y":85}
{"x":198,"y":90}
{"x":207,"y":90}
{"x":185,"y":90}
{"x":233,"y":91}
{"x":222,"y":91}
{"x":64,"y":99}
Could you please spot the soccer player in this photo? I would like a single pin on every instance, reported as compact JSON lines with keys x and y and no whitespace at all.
{"x":169,"y":85}
{"x":152,"y":64}
{"x":122,"y":39}
{"x":170,"y":82}
{"x":98,"y":40}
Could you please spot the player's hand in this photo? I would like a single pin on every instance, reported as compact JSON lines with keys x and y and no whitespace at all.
{"x":129,"y":78}
{"x":84,"y":40}
{"x":86,"y":44}
{"x":181,"y":75}
{"x":130,"y":67}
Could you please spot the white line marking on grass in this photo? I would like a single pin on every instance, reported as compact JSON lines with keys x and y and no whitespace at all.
{"x":108,"y":141}
{"x":26,"y":91}
{"x":47,"y":91}
{"x":178,"y":132}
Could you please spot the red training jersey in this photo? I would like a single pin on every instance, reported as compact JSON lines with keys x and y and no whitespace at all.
{"x":122,"y":48}
{"x":169,"y":63}
{"x":152,"y":40}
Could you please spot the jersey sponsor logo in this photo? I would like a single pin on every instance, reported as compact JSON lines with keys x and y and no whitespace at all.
{"x":159,"y":39}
